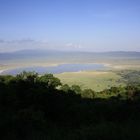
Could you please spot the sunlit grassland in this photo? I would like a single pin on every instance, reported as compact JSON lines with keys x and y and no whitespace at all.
{"x":96,"y":80}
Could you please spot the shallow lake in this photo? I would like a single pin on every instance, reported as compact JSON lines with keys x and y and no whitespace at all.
{"x":57,"y":69}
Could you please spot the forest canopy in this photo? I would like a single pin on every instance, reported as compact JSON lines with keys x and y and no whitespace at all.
{"x":37,"y":107}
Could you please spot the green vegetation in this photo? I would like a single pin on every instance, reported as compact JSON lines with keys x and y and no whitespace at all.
{"x":34,"y":107}
{"x":96,"y":80}
{"x":131,"y":77}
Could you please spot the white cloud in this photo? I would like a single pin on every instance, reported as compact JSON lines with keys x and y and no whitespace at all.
{"x":73,"y":45}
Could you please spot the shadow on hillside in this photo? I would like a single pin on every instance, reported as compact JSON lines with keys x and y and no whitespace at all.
{"x":32,"y":110}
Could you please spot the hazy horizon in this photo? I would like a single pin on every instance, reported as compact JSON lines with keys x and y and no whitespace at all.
{"x":59,"y":50}
{"x":70,"y":25}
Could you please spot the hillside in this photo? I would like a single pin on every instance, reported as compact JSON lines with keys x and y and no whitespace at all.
{"x":42,"y":108}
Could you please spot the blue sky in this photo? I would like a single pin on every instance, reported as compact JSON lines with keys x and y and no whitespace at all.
{"x":73,"y":25}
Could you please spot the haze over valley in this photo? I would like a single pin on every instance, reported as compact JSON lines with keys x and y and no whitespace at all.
{"x":70,"y":69}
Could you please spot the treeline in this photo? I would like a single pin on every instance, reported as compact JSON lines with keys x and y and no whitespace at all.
{"x":34,"y":107}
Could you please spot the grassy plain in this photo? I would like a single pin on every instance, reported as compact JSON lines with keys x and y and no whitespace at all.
{"x":96,"y":80}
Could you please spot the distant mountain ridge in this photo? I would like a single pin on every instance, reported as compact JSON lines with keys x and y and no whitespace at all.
{"x":56,"y":51}
{"x":51,"y":53}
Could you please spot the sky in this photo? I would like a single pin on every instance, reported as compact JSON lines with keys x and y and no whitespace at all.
{"x":70,"y":25}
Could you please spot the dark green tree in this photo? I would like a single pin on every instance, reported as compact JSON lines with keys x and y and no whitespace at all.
{"x":88,"y":93}
{"x":76,"y":89}
{"x":49,"y":81}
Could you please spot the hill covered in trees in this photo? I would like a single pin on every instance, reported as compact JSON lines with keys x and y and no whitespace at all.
{"x":34,"y":107}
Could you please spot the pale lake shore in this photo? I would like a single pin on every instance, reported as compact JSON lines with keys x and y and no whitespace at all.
{"x":108,"y":66}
